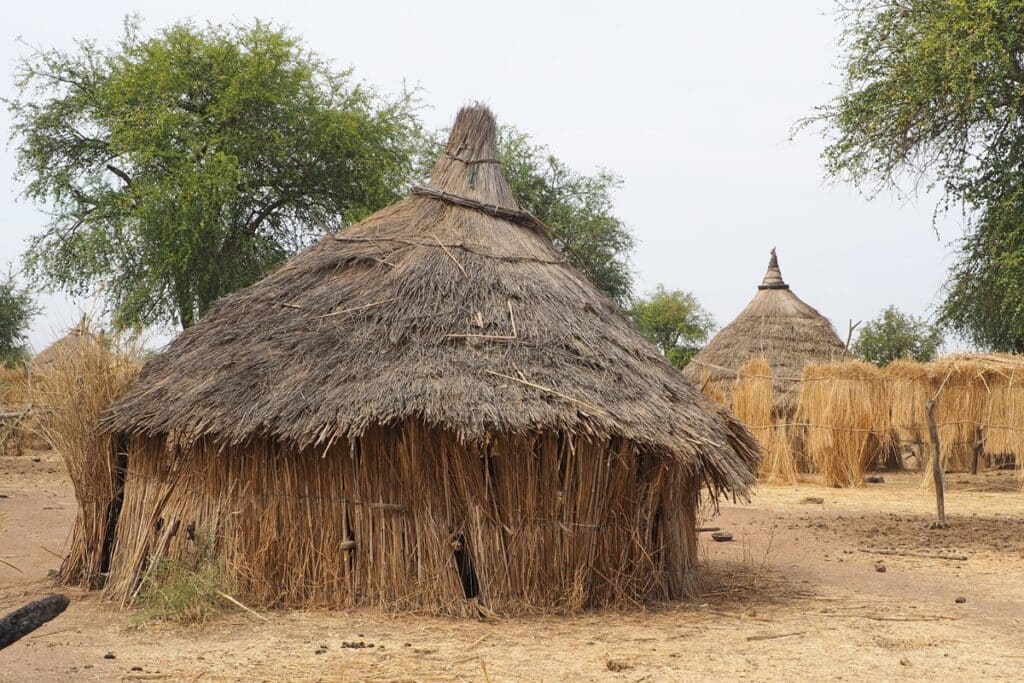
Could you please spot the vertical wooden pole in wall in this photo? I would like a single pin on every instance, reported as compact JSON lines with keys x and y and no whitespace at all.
{"x":979,"y":445}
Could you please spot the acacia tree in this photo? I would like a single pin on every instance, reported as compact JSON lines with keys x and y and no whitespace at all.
{"x":17,"y":308}
{"x":182,"y":166}
{"x":577,"y":207}
{"x":674,"y":321}
{"x":893,"y":335}
{"x":933,"y":93}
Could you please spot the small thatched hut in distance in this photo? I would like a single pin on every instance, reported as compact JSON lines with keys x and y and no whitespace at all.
{"x":776,"y":325}
{"x":68,"y":343}
{"x":430,"y":406}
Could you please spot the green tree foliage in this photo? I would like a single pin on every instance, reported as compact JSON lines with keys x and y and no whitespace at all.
{"x":933,"y":93}
{"x":182,"y":166}
{"x":984,"y":299}
{"x":893,"y":335}
{"x":577,"y":207}
{"x":17,"y":308}
{"x":674,"y":321}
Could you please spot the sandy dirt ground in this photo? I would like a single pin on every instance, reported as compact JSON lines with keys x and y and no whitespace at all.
{"x":795,"y":596}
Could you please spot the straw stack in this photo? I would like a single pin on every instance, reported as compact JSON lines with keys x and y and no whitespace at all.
{"x":77,"y":384}
{"x":846,"y":416}
{"x":753,"y":402}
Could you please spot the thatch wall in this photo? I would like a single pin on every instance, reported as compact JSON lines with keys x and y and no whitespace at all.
{"x":78,"y":382}
{"x":539,"y":522}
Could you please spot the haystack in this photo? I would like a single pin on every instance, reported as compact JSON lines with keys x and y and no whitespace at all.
{"x":430,"y":407}
{"x":776,"y":325}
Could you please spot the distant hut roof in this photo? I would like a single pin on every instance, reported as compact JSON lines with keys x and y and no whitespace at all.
{"x":777,"y":325}
{"x":71,"y":340}
{"x":452,"y":307}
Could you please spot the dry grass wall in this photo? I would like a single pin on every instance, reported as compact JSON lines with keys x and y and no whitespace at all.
{"x":410,"y":518}
{"x":753,"y":401}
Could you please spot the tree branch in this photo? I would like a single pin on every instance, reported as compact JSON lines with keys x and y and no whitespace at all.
{"x":120,"y":174}
{"x":265,"y":212}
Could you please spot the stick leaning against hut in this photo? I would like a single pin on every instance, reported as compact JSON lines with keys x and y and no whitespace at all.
{"x":430,"y":406}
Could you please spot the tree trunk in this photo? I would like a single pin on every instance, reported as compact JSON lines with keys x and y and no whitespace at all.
{"x":186,"y":309}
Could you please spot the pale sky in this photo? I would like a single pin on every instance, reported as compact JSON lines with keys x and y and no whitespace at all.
{"x":690,"y":102}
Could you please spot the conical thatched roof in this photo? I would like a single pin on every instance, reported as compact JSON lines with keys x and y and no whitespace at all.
{"x":777,"y":325}
{"x":451,"y":307}
{"x":72,"y":340}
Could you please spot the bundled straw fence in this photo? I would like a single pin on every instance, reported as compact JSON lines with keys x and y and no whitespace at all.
{"x":753,"y":401}
{"x":79,"y":382}
{"x":852,"y":416}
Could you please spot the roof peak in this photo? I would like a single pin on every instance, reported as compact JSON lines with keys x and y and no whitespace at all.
{"x":468,"y":166}
{"x":773,"y":278}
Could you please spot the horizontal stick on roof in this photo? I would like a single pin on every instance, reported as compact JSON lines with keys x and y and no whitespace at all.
{"x":511,"y":318}
{"x":549,"y":390}
{"x":359,"y":308}
{"x":524,"y":218}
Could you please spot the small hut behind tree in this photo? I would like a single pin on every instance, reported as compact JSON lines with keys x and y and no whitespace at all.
{"x":429,"y":407}
{"x":777,"y":326}
{"x":75,"y":337}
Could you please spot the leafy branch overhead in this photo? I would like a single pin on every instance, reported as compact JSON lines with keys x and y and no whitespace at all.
{"x":933,"y":94}
{"x":180,"y":167}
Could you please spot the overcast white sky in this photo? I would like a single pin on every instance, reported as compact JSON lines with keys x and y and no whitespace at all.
{"x":690,"y":102}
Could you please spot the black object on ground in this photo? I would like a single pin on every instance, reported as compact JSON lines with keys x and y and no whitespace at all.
{"x":24,"y":620}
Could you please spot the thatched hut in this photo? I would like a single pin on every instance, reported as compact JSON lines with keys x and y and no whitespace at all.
{"x":776,"y":325}
{"x":67,"y":344}
{"x":430,"y":406}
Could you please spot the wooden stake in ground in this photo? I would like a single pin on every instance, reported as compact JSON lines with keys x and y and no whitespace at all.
{"x":979,"y":445}
{"x":23,"y":621}
{"x":940,"y":486}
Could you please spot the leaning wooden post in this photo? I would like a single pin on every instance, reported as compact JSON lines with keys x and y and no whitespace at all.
{"x":940,"y":486}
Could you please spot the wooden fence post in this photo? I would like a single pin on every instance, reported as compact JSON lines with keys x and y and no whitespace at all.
{"x":940,"y":486}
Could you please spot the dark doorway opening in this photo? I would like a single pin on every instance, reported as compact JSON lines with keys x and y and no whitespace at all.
{"x":113,"y":512}
{"x":464,"y":563}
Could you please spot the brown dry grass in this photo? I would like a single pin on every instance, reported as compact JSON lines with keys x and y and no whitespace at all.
{"x":15,"y":397}
{"x":852,"y":417}
{"x":753,"y":401}
{"x":400,"y":518}
{"x":843,"y":405}
{"x":77,"y":384}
